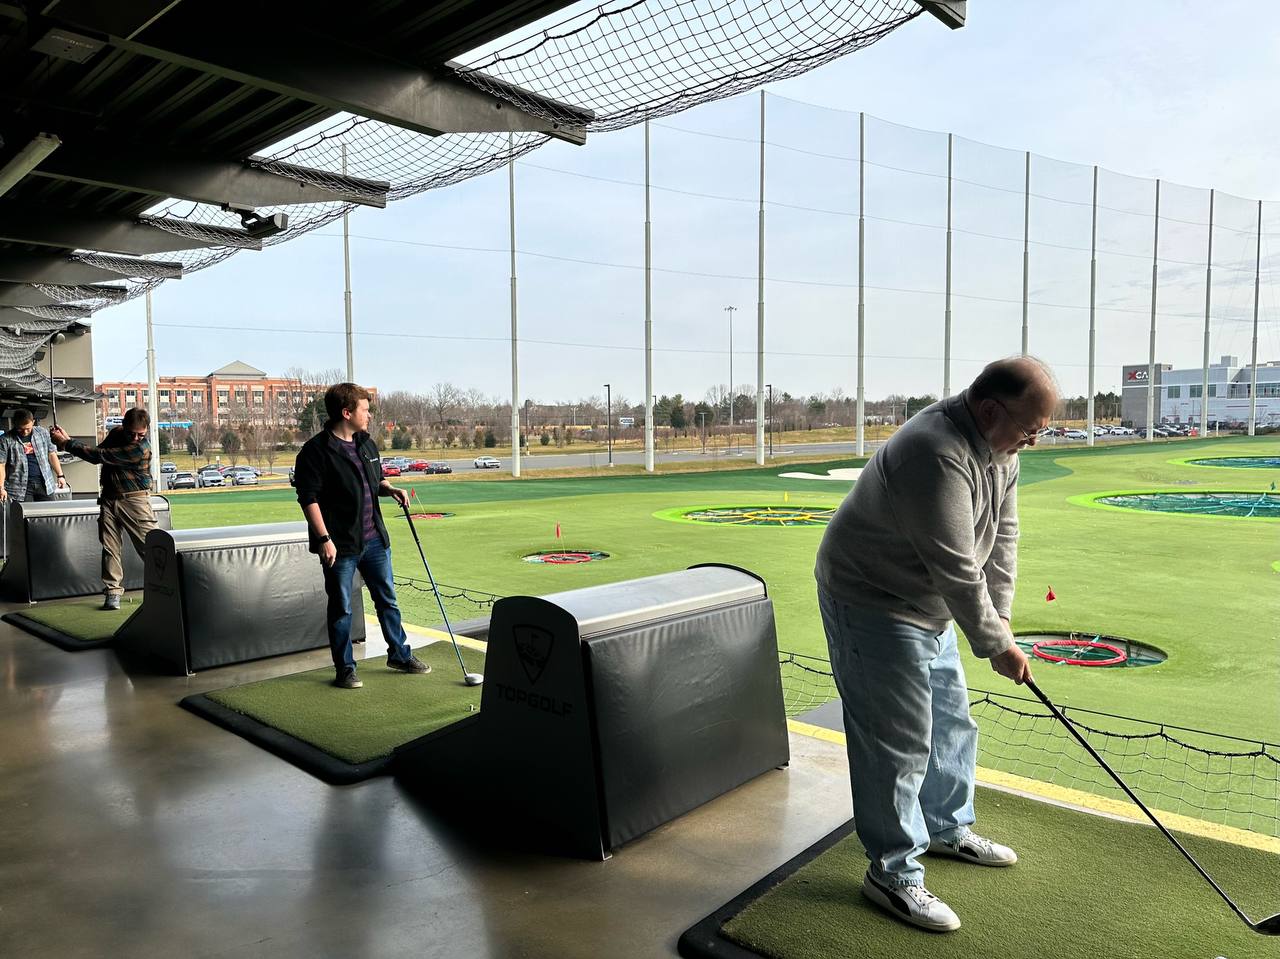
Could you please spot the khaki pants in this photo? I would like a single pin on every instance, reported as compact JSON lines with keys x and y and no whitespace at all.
{"x":129,"y":514}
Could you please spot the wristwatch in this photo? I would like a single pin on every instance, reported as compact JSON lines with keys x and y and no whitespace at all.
{"x":325,"y":538}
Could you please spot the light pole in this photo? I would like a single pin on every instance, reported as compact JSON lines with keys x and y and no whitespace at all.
{"x":729,"y":310}
{"x":769,"y":387}
{"x":703,"y":416}
{"x":608,"y":416}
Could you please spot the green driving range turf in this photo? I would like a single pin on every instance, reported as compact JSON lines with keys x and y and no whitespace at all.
{"x":1085,"y":887}
{"x":360,"y":725}
{"x":1200,"y":588}
{"x":79,"y":620}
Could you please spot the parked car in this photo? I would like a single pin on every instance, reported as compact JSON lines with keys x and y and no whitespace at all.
{"x":389,"y":470}
{"x":167,"y":467}
{"x":292,"y":482}
{"x":241,"y":476}
{"x":209,"y":476}
{"x":487,"y":463}
{"x":1074,"y":434}
{"x":439,"y":468}
{"x":181,"y":481}
{"x":417,"y":466}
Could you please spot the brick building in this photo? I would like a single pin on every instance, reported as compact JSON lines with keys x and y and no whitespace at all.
{"x":235,"y":394}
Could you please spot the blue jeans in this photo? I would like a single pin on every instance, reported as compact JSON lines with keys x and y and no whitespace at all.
{"x":912,"y":744}
{"x":375,"y":566}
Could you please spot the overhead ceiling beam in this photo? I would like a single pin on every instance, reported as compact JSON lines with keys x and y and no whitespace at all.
{"x":950,"y":12}
{"x":319,"y":70}
{"x":137,"y":236}
{"x":54,"y":268}
{"x":26,"y":294}
{"x":241,"y":184}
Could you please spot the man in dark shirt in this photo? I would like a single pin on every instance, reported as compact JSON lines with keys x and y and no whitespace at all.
{"x":338,"y":475}
{"x":29,"y":467}
{"x":125,"y":500}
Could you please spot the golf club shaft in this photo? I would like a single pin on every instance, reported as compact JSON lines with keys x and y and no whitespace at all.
{"x":434,"y":589}
{"x":1058,"y":714}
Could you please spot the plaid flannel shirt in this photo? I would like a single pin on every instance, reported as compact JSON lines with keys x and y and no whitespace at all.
{"x":125,"y":462}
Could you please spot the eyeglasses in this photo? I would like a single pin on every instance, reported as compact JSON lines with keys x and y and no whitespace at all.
{"x":1028,"y":435}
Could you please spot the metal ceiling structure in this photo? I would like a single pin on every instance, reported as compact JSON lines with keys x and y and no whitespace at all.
{"x":110,"y":108}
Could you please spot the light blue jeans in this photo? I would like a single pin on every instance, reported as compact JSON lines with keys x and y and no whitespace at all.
{"x":912,"y":744}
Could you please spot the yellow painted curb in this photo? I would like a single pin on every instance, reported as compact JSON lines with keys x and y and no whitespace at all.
{"x":431,"y":635}
{"x":1100,"y":804}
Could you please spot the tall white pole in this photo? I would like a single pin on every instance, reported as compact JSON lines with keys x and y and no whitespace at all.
{"x":153,"y":401}
{"x":729,"y":310}
{"x":515,"y":342}
{"x":1208,"y":297}
{"x":760,"y":308}
{"x":648,"y":316}
{"x":1253,"y":363}
{"x":346,"y":296}
{"x":946,"y":309}
{"x":860,"y":445}
{"x":1151,"y":354}
{"x":1026,"y":252}
{"x":1093,"y":302}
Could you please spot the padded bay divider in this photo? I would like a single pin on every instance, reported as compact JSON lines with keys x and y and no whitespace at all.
{"x":213,"y":597}
{"x":610,"y":710}
{"x":54,"y":550}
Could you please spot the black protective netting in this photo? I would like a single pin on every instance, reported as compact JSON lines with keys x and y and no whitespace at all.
{"x":419,"y":607}
{"x":1205,"y":775}
{"x":623,"y":61}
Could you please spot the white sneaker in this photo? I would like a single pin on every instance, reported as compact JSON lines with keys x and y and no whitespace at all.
{"x":974,"y":848}
{"x":913,"y":904}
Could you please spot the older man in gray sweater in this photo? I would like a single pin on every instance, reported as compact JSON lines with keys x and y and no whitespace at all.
{"x":928,"y":536}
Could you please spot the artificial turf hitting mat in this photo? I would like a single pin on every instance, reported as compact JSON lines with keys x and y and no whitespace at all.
{"x":1084,"y":887}
{"x":75,"y":624}
{"x":346,"y":735}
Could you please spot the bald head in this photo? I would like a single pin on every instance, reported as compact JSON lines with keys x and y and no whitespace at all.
{"x":1023,"y":381}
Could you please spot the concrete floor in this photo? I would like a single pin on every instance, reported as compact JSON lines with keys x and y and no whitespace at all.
{"x":132,"y":828}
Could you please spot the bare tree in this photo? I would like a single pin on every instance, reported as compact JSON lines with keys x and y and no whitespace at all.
{"x":443,"y":399}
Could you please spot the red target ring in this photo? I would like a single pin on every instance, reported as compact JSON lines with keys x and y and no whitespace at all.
{"x":566,"y":558}
{"x":1039,"y":649}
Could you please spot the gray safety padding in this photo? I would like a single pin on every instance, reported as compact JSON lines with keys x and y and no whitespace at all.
{"x":686,"y":709}
{"x":54,"y":550}
{"x":610,"y":710}
{"x":231,"y":594}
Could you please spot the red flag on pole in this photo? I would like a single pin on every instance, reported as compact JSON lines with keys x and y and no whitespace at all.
{"x":413,"y":493}
{"x":557,"y":530}
{"x":1049,"y":597}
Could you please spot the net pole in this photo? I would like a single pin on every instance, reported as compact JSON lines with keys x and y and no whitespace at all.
{"x":946,"y":308}
{"x":1026,"y":250}
{"x":515,"y":342}
{"x":153,"y":399}
{"x":1093,"y":304}
{"x":760,"y":307}
{"x":1151,"y":347}
{"x":648,"y":316}
{"x":346,"y":289}
{"x":860,"y":444}
{"x":1208,"y":299}
{"x":1253,"y":362}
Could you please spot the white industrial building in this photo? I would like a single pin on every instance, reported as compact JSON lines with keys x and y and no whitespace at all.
{"x":1178,"y":393}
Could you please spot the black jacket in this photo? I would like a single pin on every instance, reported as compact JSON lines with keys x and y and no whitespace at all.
{"x":324,"y":474}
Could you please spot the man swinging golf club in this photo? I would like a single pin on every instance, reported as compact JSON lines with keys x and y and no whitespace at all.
{"x":338,"y":475}
{"x":928,"y":535}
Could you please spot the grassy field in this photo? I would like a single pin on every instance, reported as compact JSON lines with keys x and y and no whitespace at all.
{"x":1203,"y":589}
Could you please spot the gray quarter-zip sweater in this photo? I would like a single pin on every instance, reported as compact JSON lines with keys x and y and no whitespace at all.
{"x":930,"y":531}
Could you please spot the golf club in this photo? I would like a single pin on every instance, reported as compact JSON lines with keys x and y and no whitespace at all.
{"x":471,"y":679}
{"x":1267,"y":927}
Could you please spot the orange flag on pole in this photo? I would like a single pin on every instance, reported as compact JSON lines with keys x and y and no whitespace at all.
{"x":557,"y":530}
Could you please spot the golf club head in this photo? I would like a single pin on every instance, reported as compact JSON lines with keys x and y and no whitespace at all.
{"x":1269,"y":926}
{"x":477,"y":679}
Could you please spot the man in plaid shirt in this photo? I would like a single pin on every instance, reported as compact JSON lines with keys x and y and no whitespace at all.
{"x":125,"y":500}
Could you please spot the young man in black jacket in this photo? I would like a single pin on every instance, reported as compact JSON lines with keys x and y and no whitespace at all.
{"x":338,"y":476}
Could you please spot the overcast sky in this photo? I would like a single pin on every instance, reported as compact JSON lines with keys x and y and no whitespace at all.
{"x":1178,"y":90}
